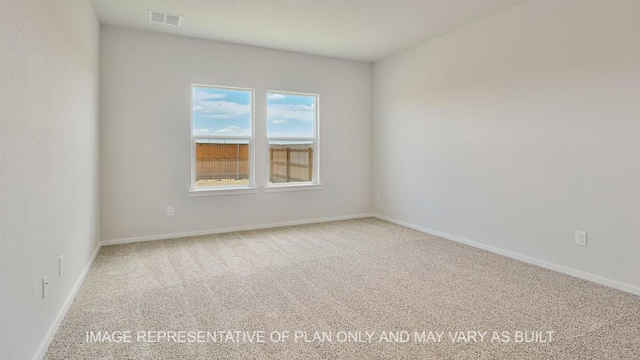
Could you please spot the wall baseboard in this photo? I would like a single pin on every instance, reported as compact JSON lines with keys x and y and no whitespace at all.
{"x":233,"y":229}
{"x":545,"y":264}
{"x":44,"y":345}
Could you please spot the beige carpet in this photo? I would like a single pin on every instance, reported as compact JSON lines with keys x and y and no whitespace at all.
{"x":365,"y":276}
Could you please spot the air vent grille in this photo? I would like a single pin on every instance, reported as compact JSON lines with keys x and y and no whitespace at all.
{"x":173,"y":20}
{"x":163,"y":18}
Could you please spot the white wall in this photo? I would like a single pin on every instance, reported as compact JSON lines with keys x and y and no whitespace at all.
{"x":145,"y":141}
{"x":49,"y":172}
{"x":518,"y":130}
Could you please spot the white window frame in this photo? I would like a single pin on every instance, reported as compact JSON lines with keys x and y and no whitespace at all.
{"x":230,"y":189}
{"x":314,"y":184}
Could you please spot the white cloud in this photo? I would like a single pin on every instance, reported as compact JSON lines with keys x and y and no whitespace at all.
{"x":201,"y":132}
{"x":291,"y":112}
{"x":213,"y":106}
{"x":222,"y":109}
{"x":278,"y":121}
{"x":275,"y":96}
{"x":232,"y":130}
{"x":200,"y":96}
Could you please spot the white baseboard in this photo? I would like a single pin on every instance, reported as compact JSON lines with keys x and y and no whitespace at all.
{"x":545,"y":264}
{"x":44,"y":345}
{"x":233,"y":229}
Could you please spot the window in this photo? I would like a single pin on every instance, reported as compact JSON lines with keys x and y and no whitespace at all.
{"x":221,"y":138}
{"x":292,"y":131}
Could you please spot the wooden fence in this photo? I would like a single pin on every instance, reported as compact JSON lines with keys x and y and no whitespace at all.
{"x":287,"y":163}
{"x":222,"y":161}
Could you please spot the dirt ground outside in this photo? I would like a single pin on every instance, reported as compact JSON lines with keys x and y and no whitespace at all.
{"x":222,"y":182}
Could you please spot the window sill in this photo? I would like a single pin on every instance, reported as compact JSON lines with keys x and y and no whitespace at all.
{"x":292,"y":187}
{"x":222,"y":191}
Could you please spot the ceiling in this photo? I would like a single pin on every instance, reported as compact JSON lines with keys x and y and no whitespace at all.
{"x":365,"y":30}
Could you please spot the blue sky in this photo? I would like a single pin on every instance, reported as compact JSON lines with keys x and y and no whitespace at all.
{"x":228,"y":112}
{"x":290,"y":115}
{"x":221,"y":111}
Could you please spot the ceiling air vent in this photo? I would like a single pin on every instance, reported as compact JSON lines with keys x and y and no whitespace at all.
{"x":164,"y":18}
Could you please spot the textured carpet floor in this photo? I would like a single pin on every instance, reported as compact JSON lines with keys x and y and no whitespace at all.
{"x":340,"y":278}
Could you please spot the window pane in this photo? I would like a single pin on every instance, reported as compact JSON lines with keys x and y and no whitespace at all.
{"x":290,"y":161}
{"x":290,"y":115}
{"x":222,"y":162}
{"x":220,"y":111}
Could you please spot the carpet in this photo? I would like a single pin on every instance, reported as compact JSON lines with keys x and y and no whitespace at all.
{"x":355,"y":289}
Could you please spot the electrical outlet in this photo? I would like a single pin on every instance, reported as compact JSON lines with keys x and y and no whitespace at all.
{"x":377,"y":196}
{"x":60,"y":265}
{"x":581,"y":238}
{"x":45,"y":284}
{"x":169,"y":210}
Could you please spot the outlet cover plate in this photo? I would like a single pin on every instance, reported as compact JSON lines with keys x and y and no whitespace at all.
{"x":581,"y":238}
